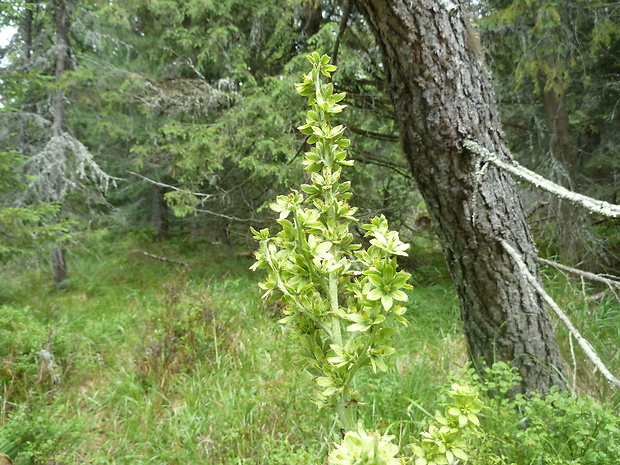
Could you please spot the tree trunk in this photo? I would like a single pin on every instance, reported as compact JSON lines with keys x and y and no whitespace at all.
{"x":560,"y":139}
{"x":58,"y":254}
{"x":59,"y":265}
{"x":160,"y":213}
{"x":61,"y":54}
{"x":27,"y":32}
{"x":570,"y":231}
{"x":442,"y":95}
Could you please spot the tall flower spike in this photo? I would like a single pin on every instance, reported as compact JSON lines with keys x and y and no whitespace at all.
{"x":338,"y":298}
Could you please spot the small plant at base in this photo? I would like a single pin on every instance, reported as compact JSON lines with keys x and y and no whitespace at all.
{"x":444,"y":443}
{"x":545,"y":429}
{"x":340,"y":299}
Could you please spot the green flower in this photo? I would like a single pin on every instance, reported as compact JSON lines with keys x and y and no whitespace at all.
{"x":347,"y":355}
{"x":286,"y":204}
{"x":376,"y":355}
{"x":387,"y":284}
{"x":384,"y":239}
{"x":466,"y":405}
{"x":366,"y":319}
{"x":361,"y":448}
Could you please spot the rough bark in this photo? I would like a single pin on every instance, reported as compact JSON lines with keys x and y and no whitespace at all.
{"x":442,"y":96}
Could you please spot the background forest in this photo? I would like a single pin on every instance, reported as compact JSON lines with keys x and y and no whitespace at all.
{"x":139,"y":142}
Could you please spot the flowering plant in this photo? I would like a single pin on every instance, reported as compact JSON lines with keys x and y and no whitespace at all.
{"x":360,"y":447}
{"x":341,"y":300}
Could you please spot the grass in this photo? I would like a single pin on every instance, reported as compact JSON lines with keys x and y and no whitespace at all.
{"x":156,"y":362}
{"x":598,"y":321}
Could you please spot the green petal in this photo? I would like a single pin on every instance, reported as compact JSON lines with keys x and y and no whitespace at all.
{"x":375,"y":294}
{"x":399,"y":295}
{"x":386,"y":301}
{"x":375,"y":280}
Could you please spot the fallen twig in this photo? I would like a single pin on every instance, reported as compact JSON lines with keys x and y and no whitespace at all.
{"x":584,"y":274}
{"x":163,"y":259}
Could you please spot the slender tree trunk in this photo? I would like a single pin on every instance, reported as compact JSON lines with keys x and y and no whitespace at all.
{"x":442,"y":96}
{"x":58,"y":254}
{"x":570,"y":233}
{"x":61,"y":54}
{"x":27,"y":31}
{"x":160,"y":213}
{"x":560,"y":138}
{"x":312,"y":19}
{"x":60,"y":265}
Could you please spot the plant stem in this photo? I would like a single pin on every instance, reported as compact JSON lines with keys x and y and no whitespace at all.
{"x":345,"y":410}
{"x":333,"y":300}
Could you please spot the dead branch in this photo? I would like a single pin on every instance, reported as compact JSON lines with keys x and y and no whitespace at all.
{"x":231,"y":218}
{"x":162,"y":259}
{"x":161,"y":184}
{"x":584,"y":274}
{"x":346,"y":12}
{"x":374,"y":135}
{"x":595,"y":206}
{"x":585,"y":345}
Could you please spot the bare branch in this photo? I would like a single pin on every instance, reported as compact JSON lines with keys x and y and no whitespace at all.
{"x":364,"y":157}
{"x":163,"y":259}
{"x":161,"y":184}
{"x":346,"y":12}
{"x":584,"y":274}
{"x":585,"y":345}
{"x":299,"y":150}
{"x":232,"y":218}
{"x":595,"y":206}
{"x":374,"y":135}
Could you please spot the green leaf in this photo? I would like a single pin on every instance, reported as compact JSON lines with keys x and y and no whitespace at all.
{"x":324,"y":381}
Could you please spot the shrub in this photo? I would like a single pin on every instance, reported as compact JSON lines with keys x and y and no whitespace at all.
{"x":536,"y":429}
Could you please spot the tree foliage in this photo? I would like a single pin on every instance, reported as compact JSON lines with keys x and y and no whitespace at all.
{"x":556,"y":72}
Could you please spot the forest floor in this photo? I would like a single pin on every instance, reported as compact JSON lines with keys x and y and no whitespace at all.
{"x":141,"y":360}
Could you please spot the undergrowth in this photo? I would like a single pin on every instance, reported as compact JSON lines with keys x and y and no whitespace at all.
{"x":139,"y":360}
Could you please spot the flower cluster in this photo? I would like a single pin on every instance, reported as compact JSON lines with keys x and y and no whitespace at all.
{"x":361,"y":448}
{"x":445,"y":443}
